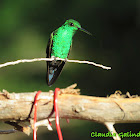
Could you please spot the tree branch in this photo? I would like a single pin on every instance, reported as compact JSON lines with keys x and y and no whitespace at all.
{"x":17,"y":107}
{"x":50,"y":59}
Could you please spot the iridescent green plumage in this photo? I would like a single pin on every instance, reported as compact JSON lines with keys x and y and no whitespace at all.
{"x":62,"y":38}
{"x":59,"y":46}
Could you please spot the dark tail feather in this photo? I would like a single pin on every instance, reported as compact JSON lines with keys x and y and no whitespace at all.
{"x":53,"y":71}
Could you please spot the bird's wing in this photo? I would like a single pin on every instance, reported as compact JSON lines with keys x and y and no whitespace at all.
{"x":54,"y":67}
{"x":48,"y":55}
{"x":70,"y":49}
{"x":49,"y":46}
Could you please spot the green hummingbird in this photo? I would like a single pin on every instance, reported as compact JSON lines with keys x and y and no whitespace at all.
{"x":59,"y":45}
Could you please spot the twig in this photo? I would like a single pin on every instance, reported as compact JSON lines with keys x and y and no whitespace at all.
{"x":50,"y":59}
{"x":44,"y":122}
{"x":112,"y":130}
{"x":8,"y":131}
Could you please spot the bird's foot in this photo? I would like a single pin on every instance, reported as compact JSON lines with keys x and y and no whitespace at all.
{"x":54,"y":58}
{"x":65,"y":59}
{"x":53,"y":61}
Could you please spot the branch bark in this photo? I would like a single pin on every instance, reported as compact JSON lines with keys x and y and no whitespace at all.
{"x":18,"y":107}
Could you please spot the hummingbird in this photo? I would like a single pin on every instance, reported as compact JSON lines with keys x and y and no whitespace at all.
{"x":59,"y":45}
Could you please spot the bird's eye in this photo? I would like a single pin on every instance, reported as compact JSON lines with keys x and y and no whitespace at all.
{"x":71,"y":24}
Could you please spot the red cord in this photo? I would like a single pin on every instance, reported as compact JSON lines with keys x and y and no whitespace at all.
{"x":35,"y":115}
{"x":57,"y":114}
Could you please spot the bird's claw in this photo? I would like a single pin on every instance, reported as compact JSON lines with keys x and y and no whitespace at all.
{"x":54,"y":58}
{"x":65,"y":59}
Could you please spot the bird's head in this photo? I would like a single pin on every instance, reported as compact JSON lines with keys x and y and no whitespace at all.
{"x":75,"y":25}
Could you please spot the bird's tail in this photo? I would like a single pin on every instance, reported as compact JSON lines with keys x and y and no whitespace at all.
{"x":54,"y":69}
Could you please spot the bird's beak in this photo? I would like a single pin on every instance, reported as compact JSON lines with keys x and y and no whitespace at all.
{"x":81,"y":29}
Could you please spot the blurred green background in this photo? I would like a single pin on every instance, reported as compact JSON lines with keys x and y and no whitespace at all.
{"x":25,"y":27}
